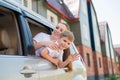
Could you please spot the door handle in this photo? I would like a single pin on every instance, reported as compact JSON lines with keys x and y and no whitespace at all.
{"x":27,"y":71}
{"x":66,"y":69}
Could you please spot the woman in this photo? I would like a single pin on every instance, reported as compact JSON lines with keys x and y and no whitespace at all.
{"x":43,"y":39}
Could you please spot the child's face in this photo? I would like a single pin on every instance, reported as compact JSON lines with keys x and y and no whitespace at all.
{"x":64,"y":43}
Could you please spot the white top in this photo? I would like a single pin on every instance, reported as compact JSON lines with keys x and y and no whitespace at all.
{"x":41,"y":37}
{"x":55,"y":53}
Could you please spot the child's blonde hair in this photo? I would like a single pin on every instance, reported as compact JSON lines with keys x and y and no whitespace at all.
{"x":67,"y":34}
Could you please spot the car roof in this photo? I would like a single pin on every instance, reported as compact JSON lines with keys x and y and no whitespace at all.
{"x":14,"y":6}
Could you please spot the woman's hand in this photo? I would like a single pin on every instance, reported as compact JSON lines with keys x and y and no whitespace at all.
{"x":52,"y":45}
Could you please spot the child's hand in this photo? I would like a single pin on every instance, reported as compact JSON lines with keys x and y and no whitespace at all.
{"x":73,"y":57}
{"x":55,"y":61}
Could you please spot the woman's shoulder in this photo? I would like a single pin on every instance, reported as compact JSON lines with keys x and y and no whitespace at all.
{"x":42,"y":33}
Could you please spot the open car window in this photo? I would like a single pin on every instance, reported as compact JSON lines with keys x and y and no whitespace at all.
{"x":9,"y":34}
{"x":37,"y":28}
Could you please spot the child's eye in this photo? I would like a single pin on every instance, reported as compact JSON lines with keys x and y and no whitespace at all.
{"x":64,"y":40}
{"x":61,"y":30}
{"x":68,"y":43}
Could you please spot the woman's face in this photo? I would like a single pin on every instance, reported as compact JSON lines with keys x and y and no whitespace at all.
{"x":59,"y":29}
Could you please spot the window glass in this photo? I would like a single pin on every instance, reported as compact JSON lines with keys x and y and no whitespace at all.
{"x":109,"y":66}
{"x":107,"y":44}
{"x":9,"y":34}
{"x":52,"y":17}
{"x":100,"y":63}
{"x":84,"y":7}
{"x":77,"y":63}
{"x":95,"y":30}
{"x":88,"y":59}
{"x":27,"y":3}
{"x":35,"y":5}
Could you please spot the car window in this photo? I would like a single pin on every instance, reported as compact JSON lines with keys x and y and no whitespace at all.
{"x":36,"y":27}
{"x":9,"y":34}
{"x":77,"y":63}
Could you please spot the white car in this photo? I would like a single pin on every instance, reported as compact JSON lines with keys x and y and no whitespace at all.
{"x":17,"y":54}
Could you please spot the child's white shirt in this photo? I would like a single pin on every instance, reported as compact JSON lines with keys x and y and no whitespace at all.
{"x":58,"y":54}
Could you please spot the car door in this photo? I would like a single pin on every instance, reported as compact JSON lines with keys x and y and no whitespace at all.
{"x":18,"y":68}
{"x":14,"y":45}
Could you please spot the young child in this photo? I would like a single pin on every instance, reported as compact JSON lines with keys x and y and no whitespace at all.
{"x":55,"y":56}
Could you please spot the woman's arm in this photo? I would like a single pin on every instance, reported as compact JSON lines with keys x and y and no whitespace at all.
{"x":38,"y":45}
{"x":49,"y":44}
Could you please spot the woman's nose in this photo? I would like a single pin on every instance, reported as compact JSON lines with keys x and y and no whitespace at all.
{"x":59,"y":31}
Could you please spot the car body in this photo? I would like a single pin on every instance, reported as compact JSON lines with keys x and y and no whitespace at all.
{"x":17,"y":55}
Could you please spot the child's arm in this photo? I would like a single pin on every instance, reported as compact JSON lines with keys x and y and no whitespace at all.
{"x":71,"y":58}
{"x":44,"y":54}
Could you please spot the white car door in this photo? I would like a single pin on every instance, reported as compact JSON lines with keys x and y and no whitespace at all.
{"x":18,"y":68}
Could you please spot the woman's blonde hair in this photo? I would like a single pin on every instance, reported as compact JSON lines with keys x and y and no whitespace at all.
{"x":67,"y":26}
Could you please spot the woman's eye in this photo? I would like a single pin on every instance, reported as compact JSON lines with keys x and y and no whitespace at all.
{"x":57,"y":27}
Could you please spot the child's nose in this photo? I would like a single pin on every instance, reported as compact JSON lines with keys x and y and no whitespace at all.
{"x":66,"y":45}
